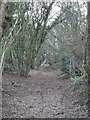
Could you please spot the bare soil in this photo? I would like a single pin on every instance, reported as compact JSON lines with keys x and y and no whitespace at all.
{"x":41,"y":96}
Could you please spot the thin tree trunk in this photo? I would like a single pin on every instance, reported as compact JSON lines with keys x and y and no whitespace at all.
{"x":88,"y":42}
{"x":88,"y":67}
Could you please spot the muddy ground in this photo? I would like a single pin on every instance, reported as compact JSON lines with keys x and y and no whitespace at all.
{"x":42,"y":96}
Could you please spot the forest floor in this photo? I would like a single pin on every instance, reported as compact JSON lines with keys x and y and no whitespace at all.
{"x":43,"y":96}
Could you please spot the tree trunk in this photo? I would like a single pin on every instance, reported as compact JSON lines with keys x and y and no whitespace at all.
{"x":5,"y":20}
{"x":7,"y":15}
{"x":88,"y":47}
{"x":88,"y":41}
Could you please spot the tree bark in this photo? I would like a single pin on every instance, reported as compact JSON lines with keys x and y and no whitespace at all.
{"x":88,"y":67}
{"x":88,"y":43}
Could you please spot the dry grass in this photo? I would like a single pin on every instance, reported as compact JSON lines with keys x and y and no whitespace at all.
{"x":42,"y":73}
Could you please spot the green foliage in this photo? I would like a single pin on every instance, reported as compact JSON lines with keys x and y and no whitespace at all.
{"x":5,"y":43}
{"x":83,"y":98}
{"x":77,"y":79}
{"x":31,"y":30}
{"x":7,"y":112}
{"x":87,"y":69}
{"x":32,"y":34}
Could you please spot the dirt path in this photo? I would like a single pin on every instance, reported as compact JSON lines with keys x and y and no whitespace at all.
{"x":41,"y":97}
